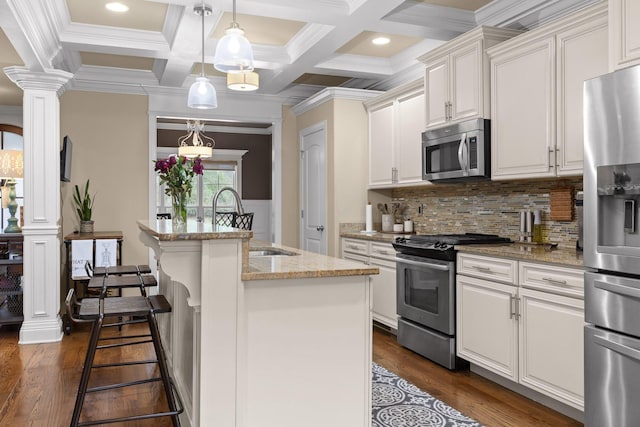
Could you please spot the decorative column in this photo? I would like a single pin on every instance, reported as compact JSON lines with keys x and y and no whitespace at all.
{"x":41,"y":229}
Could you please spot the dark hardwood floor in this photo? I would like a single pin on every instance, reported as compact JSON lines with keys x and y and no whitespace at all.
{"x":38,"y":385}
{"x":485,"y":401}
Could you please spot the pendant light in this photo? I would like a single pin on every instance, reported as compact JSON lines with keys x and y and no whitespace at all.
{"x":247,"y":81}
{"x":201,"y":144}
{"x":202,"y":94}
{"x":234,"y":53}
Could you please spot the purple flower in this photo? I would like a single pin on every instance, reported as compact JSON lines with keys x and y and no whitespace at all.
{"x":197,"y":166}
{"x":172,"y":160}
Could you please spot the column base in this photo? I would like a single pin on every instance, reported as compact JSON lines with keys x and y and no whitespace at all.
{"x":36,"y":332}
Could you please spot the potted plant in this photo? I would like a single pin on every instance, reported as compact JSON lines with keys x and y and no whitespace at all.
{"x":84,"y":205}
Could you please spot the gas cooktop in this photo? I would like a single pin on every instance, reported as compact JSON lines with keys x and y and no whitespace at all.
{"x":441,"y":246}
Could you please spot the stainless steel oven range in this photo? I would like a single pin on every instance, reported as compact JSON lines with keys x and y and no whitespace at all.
{"x":426,"y":274}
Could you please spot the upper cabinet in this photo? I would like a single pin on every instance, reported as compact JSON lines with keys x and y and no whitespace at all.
{"x":536,"y":95}
{"x":457,"y":77}
{"x":624,"y":33}
{"x":396,"y":123}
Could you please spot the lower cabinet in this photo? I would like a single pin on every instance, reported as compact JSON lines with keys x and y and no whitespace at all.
{"x":383,"y":285}
{"x":551,"y":345}
{"x":527,"y":330}
{"x":487,"y":332}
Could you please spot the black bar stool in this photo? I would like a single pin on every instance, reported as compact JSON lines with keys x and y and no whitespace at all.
{"x":141,"y":308}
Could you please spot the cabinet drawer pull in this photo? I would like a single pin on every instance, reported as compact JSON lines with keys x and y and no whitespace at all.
{"x":483,"y":269}
{"x":383,"y":252}
{"x":352,"y":247}
{"x":554,"y":281}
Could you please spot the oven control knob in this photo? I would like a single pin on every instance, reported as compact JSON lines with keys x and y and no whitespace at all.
{"x":401,"y":240}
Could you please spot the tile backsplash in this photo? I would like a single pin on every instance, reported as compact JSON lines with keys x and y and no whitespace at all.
{"x":491,"y":207}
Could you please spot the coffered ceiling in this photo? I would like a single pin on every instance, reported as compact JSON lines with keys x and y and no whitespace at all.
{"x":300,"y":46}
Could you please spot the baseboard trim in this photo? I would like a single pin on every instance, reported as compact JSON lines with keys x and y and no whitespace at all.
{"x":385,"y":328}
{"x":547,"y":401}
{"x":41,"y":331}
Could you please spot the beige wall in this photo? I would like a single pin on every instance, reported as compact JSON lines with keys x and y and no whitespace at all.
{"x":110,"y":147}
{"x":290,"y":179}
{"x":347,"y":163}
{"x":351,"y":165}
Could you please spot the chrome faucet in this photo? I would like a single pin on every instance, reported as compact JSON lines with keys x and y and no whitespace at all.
{"x":235,"y":194}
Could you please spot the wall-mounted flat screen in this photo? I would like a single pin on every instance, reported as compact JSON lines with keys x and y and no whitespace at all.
{"x":65,"y":159}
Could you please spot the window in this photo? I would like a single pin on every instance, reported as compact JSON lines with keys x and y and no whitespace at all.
{"x":223,"y":170}
{"x":11,"y":139}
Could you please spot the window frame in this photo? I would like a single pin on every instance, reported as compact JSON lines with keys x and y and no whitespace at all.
{"x":4,"y":212}
{"x":219,"y":155}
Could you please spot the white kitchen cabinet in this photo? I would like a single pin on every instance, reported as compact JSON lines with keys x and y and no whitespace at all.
{"x":381,"y":143}
{"x":457,"y":77}
{"x":383,"y":285}
{"x":523,"y":321}
{"x":396,"y":123}
{"x":487,"y":332}
{"x":551,"y":345}
{"x":624,"y":33}
{"x":536,"y":90}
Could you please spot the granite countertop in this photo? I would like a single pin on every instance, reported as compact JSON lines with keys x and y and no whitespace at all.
{"x":301,"y":265}
{"x":163,"y":231}
{"x":519,"y":251}
{"x":527,"y":252}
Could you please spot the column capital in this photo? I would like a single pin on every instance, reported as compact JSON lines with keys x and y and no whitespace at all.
{"x":52,"y":80}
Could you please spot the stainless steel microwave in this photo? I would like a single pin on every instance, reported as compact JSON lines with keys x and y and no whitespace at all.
{"x":457,"y":152}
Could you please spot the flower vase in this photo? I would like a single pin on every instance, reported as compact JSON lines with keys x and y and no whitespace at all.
{"x":179,"y":217}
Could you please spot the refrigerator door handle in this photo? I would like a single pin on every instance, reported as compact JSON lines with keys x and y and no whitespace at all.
{"x":617,"y":288}
{"x":617,"y":347}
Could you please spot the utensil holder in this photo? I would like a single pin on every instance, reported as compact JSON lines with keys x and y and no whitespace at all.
{"x":387,"y":222}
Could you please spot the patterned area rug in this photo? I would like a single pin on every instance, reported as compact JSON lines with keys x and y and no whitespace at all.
{"x":398,"y":403}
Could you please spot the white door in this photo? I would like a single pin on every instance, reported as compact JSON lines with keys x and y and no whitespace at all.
{"x":313,"y":192}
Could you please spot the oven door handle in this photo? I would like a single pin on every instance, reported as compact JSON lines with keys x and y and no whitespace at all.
{"x":424,"y":264}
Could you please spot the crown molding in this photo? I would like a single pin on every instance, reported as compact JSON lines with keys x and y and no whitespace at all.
{"x":527,"y":14}
{"x":331,"y":93}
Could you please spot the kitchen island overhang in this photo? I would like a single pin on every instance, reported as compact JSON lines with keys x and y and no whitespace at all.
{"x":263,"y":341}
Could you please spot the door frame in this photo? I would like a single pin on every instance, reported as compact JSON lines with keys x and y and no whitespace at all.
{"x":320,"y":126}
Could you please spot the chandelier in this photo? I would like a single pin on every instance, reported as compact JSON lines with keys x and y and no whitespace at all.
{"x":201,"y":145}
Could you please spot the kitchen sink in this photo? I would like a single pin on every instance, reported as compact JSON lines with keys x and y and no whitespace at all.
{"x":270,"y":252}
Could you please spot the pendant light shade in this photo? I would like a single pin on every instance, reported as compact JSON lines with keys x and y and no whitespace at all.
{"x":202,"y":94}
{"x":234,"y":53}
{"x":247,"y":81}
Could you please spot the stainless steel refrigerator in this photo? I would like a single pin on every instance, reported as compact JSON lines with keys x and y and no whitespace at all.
{"x":612,"y":249}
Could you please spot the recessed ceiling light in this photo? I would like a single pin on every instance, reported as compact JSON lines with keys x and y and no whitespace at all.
{"x":380,"y":40}
{"x":117,"y":7}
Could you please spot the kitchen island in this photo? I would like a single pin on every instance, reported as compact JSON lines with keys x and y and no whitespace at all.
{"x":270,"y":337}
